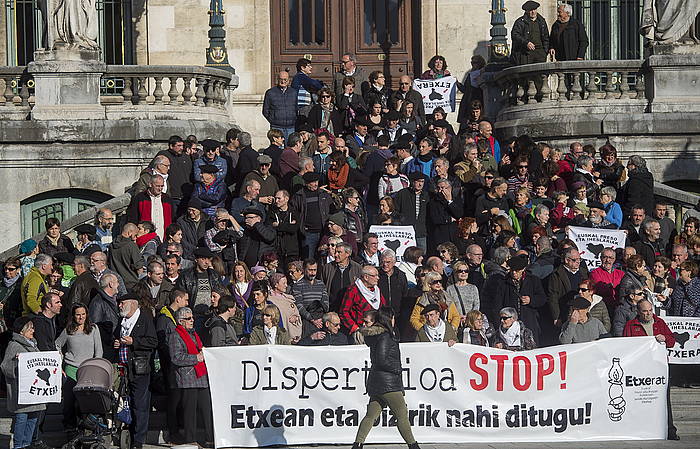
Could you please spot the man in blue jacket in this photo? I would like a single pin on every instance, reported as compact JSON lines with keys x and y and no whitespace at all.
{"x":280,"y":105}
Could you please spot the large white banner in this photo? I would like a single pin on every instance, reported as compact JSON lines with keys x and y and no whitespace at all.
{"x":396,"y":238}
{"x":441,"y":92}
{"x":686,"y":331}
{"x":290,"y":395}
{"x":590,"y":242}
{"x":39,"y":377}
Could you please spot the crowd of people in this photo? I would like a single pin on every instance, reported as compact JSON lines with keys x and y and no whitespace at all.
{"x":227,"y":245}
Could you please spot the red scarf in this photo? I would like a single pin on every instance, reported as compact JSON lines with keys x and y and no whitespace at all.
{"x":200,"y":368}
{"x":141,"y":241}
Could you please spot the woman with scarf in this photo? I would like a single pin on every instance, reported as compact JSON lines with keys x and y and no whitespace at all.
{"x":351,"y":105}
{"x":598,"y":309}
{"x":477,"y":330}
{"x":384,"y":384}
{"x":54,"y":242}
{"x":392,"y":180}
{"x":520,"y":209}
{"x":253,"y":315}
{"x":147,"y":240}
{"x":191,"y":378}
{"x":241,"y":283}
{"x":289,"y":314}
{"x":324,"y":114}
{"x":512,"y":333}
{"x":387,"y":211}
{"x":409,"y":118}
{"x":79,"y":341}
{"x":433,"y":293}
{"x":635,"y":277}
{"x":609,"y":167}
{"x":269,"y":331}
{"x":211,"y":191}
{"x":437,"y":68}
{"x":341,"y":175}
{"x":25,"y":416}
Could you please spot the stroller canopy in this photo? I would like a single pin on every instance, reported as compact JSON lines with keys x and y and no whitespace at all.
{"x":95,"y":372}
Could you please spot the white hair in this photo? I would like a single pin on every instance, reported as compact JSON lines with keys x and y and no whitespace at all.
{"x":567,"y":8}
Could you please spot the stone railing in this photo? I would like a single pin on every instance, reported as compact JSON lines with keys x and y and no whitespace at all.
{"x":571,"y":84}
{"x":16,"y":87}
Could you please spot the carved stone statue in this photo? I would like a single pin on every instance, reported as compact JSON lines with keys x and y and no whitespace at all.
{"x":74,"y":23}
{"x":668,"y":21}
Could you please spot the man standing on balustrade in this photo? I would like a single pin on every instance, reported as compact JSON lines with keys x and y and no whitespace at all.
{"x":568,"y":40}
{"x":530,"y":36}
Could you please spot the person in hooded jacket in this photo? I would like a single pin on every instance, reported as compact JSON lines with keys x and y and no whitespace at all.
{"x":384,"y":384}
{"x":639,"y":188}
{"x":26,"y":417}
{"x":219,"y":329}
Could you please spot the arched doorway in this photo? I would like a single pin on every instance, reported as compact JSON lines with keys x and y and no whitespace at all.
{"x":60,"y":204}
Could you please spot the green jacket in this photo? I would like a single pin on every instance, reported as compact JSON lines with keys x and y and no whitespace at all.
{"x":34,"y":287}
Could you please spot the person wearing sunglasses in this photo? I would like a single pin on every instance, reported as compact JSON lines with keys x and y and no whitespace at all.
{"x":270,"y":332}
{"x":325,"y":115}
{"x":406,"y":92}
{"x":581,"y":327}
{"x":11,"y":292}
{"x":210,"y":156}
{"x":434,"y":293}
{"x":598,"y":308}
{"x":512,"y":333}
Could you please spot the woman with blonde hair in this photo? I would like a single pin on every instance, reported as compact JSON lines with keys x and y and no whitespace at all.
{"x":477,"y":330}
{"x":270,"y":333}
{"x":433,"y":293}
{"x":241,"y":283}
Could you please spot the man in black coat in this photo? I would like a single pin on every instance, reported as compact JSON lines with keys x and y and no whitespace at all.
{"x":247,"y":160}
{"x":180,"y":174}
{"x":568,"y":40}
{"x":394,"y":285}
{"x":444,"y":210}
{"x":639,"y":188}
{"x":46,"y":326}
{"x":405,"y":203}
{"x":257,"y":239}
{"x":530,"y":36}
{"x":199,"y":281}
{"x":135,"y":339}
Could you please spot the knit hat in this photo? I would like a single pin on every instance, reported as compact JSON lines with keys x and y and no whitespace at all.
{"x":338,"y":218}
{"x":27,"y":246}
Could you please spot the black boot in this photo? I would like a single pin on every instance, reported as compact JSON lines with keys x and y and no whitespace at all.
{"x":357,"y":446}
{"x":413,"y":446}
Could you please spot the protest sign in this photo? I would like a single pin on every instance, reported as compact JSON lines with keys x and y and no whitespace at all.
{"x":396,"y":238}
{"x":590,"y":242}
{"x":39,"y":375}
{"x":441,"y":92}
{"x":289,"y":395}
{"x":686,"y":331}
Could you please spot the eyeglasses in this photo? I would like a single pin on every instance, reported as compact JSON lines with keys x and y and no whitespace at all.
{"x":608,"y":257}
{"x":404,"y":84}
{"x":187,"y":318}
{"x":522,"y":166}
{"x":462,"y":271}
{"x":332,"y":244}
{"x":488,"y":177}
{"x":267,"y":314}
{"x":578,"y":259}
{"x":265,"y":164}
{"x":506,"y":318}
{"x":334,"y":323}
{"x":436,"y":281}
{"x":11,"y":268}
{"x":325,"y":96}
{"x":582,"y":289}
{"x":636,"y":294}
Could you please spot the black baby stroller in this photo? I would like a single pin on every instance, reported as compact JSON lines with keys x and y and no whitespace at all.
{"x":101,"y":405}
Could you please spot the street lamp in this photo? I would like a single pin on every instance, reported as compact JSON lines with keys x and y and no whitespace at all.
{"x":498,"y":47}
{"x":217,"y":56}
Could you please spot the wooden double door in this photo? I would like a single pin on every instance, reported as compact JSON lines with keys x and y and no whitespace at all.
{"x":378,"y":32}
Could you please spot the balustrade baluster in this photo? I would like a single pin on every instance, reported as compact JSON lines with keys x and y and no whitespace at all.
{"x":531,"y":91}
{"x":640,"y":86}
{"x":624,"y":85}
{"x":610,"y":86}
{"x":591,"y":88}
{"x":142,"y":92}
{"x":24,"y":93}
{"x":561,"y":87}
{"x":173,"y":93}
{"x":520,"y":91}
{"x":545,"y":90}
{"x":186,"y":91}
{"x":158,"y":91}
{"x":9,"y":94}
{"x":127,"y":92}
{"x":209,"y":96}
{"x":576,"y":88}
{"x":200,"y":94}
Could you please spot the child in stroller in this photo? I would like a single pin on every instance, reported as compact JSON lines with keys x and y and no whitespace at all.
{"x":104,"y":410}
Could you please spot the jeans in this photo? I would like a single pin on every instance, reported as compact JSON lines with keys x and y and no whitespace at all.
{"x":140,"y":397}
{"x":25,"y":423}
{"x":311,"y":240}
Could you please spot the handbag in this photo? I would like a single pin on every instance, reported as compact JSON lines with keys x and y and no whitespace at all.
{"x":124,"y":410}
{"x":141,"y":365}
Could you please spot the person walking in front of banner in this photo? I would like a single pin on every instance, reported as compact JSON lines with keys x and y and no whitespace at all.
{"x":26,"y":417}
{"x":648,"y":324}
{"x":384,"y":384}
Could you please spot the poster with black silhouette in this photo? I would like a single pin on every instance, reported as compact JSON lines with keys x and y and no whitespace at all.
{"x":39,"y":375}
{"x":441,"y":92}
{"x":395,"y":238}
{"x":686,"y":332}
{"x":591,"y":242}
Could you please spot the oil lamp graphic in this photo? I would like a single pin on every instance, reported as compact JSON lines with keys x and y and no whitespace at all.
{"x":616,"y":406}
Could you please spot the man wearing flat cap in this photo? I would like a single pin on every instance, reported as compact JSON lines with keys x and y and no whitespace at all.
{"x":312,"y":205}
{"x":257,"y":239}
{"x":361,"y":138}
{"x":392,"y":130}
{"x":87,"y":240}
{"x":210,"y":156}
{"x":530,"y":36}
{"x":412,"y":204}
{"x":199,"y":281}
{"x":268,"y":183}
{"x":435,"y":329}
{"x":211,"y":191}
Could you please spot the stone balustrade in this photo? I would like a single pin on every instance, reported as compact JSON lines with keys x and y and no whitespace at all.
{"x":136,"y":92}
{"x":16,"y":88}
{"x":571,"y":81}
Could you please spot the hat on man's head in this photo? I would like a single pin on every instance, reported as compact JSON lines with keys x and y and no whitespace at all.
{"x":209,"y":168}
{"x":442,"y":123}
{"x":363,"y":121}
{"x":596,"y":205}
{"x":27,"y":246}
{"x":305,"y":127}
{"x":529,"y":5}
{"x":194,"y":203}
{"x":430,"y":308}
{"x":264,"y":159}
{"x":127,"y":296}
{"x":210,"y":144}
{"x":580,"y":303}
{"x":252,"y":210}
{"x":406,"y":140}
{"x":391,"y":115}
{"x":415,"y":176}
{"x":310,"y":177}
{"x":517,"y":263}
{"x":203,"y":252}
{"x":337,"y":218}
{"x":581,"y":208}
{"x":85,"y":229}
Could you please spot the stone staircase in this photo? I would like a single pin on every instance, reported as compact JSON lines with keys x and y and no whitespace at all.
{"x":686,"y":411}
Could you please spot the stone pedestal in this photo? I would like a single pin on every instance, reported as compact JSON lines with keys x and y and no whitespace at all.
{"x":67,"y":85}
{"x":673,"y":78}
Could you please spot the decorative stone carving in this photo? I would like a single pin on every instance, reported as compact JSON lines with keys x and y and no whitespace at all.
{"x":668,"y":21}
{"x":73,"y":23}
